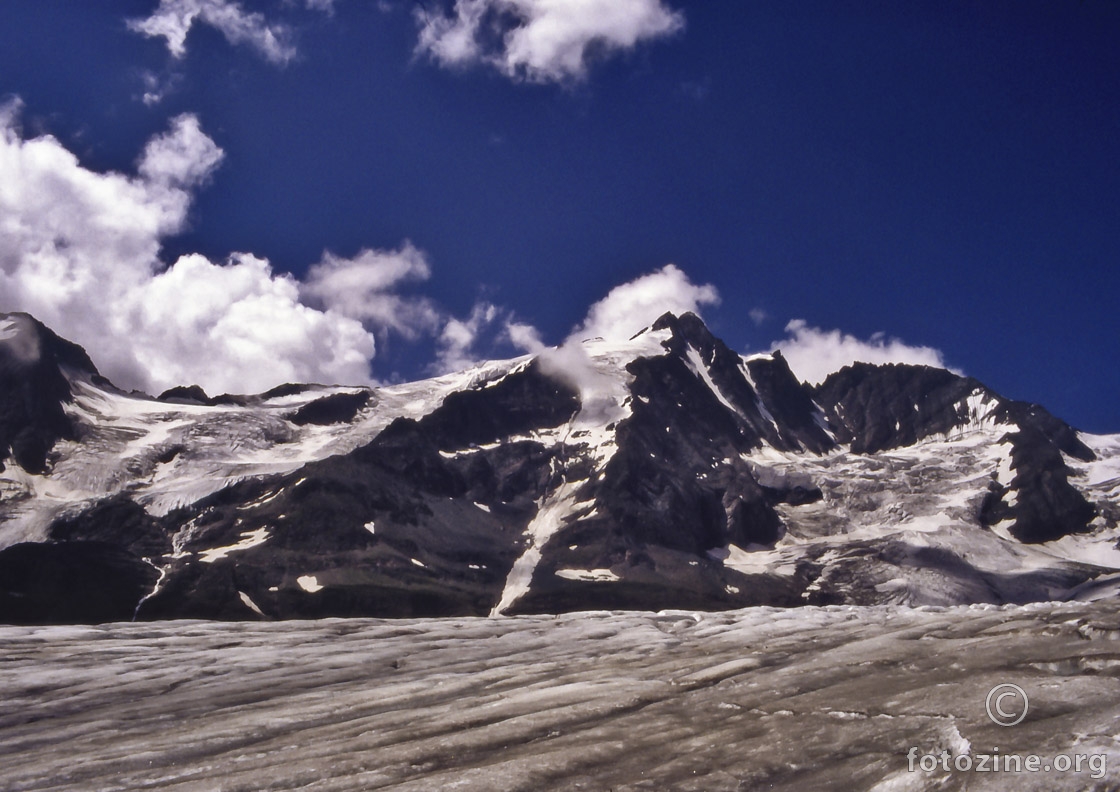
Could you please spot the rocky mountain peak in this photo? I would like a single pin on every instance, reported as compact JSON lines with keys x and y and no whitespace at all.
{"x":25,"y":341}
{"x":876,"y":407}
{"x":36,"y":367}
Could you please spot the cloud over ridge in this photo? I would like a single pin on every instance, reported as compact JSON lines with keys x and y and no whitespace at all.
{"x":626,"y":310}
{"x":80,"y":251}
{"x":636,"y":304}
{"x":814,"y":353}
{"x":363,"y":288}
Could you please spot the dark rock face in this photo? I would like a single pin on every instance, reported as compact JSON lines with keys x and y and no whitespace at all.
{"x":776,"y":409}
{"x":875,"y":408}
{"x":33,"y":388}
{"x":193,"y":394}
{"x":1047,"y":506}
{"x":116,"y":521}
{"x":336,"y":408}
{"x":791,"y":405}
{"x":517,"y":404}
{"x":675,"y":488}
{"x":184,"y":394}
{"x":71,"y":582}
{"x":287,"y":389}
{"x":1053,"y":431}
{"x":652,"y":485}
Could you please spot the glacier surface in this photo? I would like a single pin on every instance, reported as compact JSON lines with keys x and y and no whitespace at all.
{"x":763,"y":698}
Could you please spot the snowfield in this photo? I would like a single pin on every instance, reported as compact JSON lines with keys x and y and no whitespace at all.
{"x":807,"y":698}
{"x":169,"y":455}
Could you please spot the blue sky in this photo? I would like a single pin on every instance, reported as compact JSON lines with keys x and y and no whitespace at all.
{"x":259,"y":191}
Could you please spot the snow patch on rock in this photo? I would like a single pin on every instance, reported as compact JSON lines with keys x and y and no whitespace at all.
{"x":309,"y":583}
{"x":248,"y":539}
{"x":588,"y":575}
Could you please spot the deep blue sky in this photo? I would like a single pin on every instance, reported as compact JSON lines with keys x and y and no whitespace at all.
{"x":944,"y":172}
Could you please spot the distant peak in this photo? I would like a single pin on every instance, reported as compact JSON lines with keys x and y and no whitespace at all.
{"x":923,"y":375}
{"x":193,"y":394}
{"x":672,"y":321}
{"x":19,"y":337}
{"x":25,"y":342}
{"x":688,"y":328}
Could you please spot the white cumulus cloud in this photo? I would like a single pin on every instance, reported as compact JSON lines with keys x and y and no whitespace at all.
{"x":80,"y":251}
{"x":540,"y":40}
{"x":814,"y":353}
{"x":173,"y":19}
{"x":239,"y":327}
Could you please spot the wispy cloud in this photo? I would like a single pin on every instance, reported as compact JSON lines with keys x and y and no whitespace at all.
{"x":814,"y":353}
{"x":158,"y":86}
{"x":540,"y":40}
{"x":173,"y":19}
{"x":457,"y":342}
{"x":523,"y":337}
{"x":180,"y":159}
{"x":365,"y":288}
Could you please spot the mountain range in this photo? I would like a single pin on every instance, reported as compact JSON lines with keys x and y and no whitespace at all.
{"x":665,"y":471}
